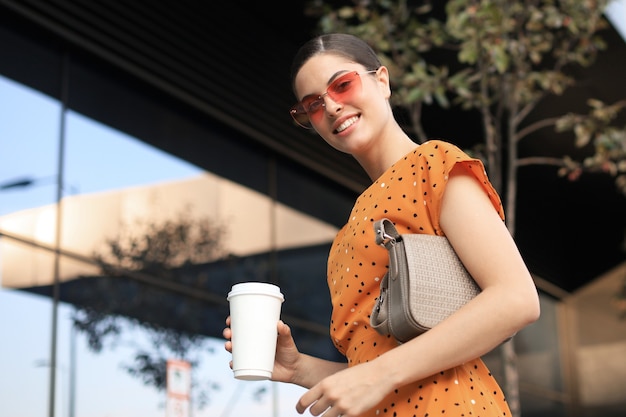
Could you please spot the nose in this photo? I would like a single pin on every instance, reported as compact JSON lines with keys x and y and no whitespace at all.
{"x":331,"y":106}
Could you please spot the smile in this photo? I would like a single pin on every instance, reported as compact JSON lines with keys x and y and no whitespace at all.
{"x":347,"y":124}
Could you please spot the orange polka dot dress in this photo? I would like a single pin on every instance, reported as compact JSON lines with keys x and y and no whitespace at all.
{"x":410,"y":194}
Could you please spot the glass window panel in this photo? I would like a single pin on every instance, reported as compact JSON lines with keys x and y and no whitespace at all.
{"x":538,"y":349}
{"x":25,"y":322}
{"x":539,"y":406}
{"x":538,"y":363}
{"x":29,"y":126}
{"x":110,"y":176}
{"x":100,"y":158}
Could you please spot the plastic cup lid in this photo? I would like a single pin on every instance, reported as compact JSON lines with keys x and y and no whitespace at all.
{"x":264,"y":288}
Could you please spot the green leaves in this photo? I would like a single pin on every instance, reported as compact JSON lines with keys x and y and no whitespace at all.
{"x":609,"y":141}
{"x":495,"y":56}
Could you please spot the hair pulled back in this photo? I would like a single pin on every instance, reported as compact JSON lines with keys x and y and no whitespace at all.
{"x":341,"y":44}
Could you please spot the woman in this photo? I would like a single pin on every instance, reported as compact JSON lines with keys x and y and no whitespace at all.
{"x":432,"y":188}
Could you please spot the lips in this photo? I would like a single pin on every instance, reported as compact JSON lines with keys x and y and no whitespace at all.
{"x":346,"y":124}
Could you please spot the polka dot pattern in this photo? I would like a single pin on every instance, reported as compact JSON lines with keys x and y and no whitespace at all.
{"x":409,"y":193}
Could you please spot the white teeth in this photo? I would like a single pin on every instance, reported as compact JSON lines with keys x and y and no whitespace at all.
{"x":347,"y":124}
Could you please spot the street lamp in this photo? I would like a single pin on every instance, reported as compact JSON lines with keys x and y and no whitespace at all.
{"x":64,"y":90}
{"x":26,"y":182}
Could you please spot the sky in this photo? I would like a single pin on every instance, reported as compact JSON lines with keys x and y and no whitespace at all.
{"x":616,"y":13}
{"x":103,"y":388}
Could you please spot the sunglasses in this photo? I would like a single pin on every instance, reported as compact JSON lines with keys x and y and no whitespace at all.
{"x":340,"y":90}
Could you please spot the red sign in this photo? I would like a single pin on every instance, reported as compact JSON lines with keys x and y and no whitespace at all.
{"x":178,"y":388}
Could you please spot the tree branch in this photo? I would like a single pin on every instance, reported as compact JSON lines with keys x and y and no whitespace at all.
{"x":521,"y":115}
{"x":541,"y":160}
{"x":533,"y":127}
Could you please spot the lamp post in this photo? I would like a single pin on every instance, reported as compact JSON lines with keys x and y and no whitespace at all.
{"x":57,"y":238}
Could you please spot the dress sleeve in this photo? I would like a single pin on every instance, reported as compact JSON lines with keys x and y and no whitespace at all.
{"x":440,"y":158}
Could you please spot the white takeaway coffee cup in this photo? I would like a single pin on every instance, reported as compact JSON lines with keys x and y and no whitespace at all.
{"x":254,"y":314}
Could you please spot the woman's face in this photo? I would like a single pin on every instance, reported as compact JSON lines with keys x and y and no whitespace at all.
{"x":352,"y":113}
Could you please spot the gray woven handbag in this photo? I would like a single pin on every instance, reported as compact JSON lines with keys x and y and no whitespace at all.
{"x":425,"y":283}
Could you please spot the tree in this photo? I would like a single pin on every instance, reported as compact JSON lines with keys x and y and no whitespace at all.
{"x":497,"y":59}
{"x":140,"y":268}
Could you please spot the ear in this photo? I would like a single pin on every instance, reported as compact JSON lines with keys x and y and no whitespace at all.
{"x":382,"y":76}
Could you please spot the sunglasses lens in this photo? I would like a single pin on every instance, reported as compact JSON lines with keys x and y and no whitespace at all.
{"x":300,"y":116}
{"x":344,"y":87}
{"x":339,"y":91}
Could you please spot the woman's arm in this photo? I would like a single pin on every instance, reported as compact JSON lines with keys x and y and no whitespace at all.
{"x":508,"y":301}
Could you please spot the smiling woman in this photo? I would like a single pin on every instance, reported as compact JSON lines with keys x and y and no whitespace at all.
{"x":432,"y":188}
{"x":183,"y":84}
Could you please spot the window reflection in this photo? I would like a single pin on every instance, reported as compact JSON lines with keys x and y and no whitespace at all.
{"x":110,"y":179}
{"x":29,"y":125}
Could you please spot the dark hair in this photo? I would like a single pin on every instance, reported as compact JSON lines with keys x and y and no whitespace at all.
{"x":342,"y":44}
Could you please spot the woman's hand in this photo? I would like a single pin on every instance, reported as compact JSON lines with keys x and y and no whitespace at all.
{"x":349,"y":392}
{"x":287,"y":354}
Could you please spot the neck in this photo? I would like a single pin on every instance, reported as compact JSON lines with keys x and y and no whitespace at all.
{"x":388,"y":151}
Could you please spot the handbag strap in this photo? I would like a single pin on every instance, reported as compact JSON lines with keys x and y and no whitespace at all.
{"x":386,"y":233}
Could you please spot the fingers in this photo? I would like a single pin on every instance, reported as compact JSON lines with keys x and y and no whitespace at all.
{"x":319,"y":407}
{"x":283,"y":329}
{"x":227,"y":333}
{"x":314,"y":399}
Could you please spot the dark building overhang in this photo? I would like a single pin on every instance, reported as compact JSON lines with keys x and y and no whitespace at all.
{"x":164,"y":72}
